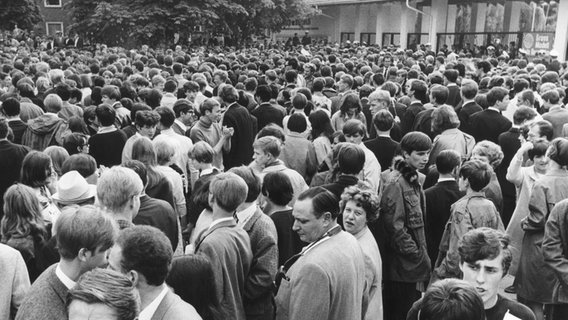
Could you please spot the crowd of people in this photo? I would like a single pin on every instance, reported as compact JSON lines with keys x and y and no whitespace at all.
{"x":311,"y":182}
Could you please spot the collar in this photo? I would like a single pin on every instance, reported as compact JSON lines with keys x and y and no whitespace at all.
{"x":452,"y":84}
{"x":245,"y":215}
{"x":168,"y":132}
{"x":416,"y":102}
{"x":150,"y":309}
{"x":326,"y":236}
{"x":494,"y":109}
{"x":67,"y":282}
{"x":385,"y":135}
{"x":16,"y":118}
{"x":181,"y":125}
{"x":446,"y":179}
{"x":216,"y":222}
{"x":207,"y":171}
{"x":467,"y":102}
{"x":107,"y":129}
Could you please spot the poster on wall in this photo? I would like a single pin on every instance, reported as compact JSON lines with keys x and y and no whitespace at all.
{"x":537,"y":41}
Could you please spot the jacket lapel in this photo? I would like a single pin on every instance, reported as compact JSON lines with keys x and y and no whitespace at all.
{"x":163,"y":306}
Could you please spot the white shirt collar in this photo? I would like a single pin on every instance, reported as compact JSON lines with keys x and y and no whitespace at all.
{"x":181,"y":125}
{"x":216,"y":222}
{"x":245,"y":215}
{"x":67,"y":282}
{"x":494,"y":109}
{"x":446,"y":179}
{"x":206,"y":171}
{"x":150,"y":309}
{"x":107,"y":129}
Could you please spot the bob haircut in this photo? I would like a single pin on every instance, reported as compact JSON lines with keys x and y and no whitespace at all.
{"x":490,"y":150}
{"x":350,"y":101}
{"x":350,"y":158}
{"x":443,"y":118}
{"x":22,"y":214}
{"x":36,"y":169}
{"x":353,"y":127}
{"x":228,"y":191}
{"x":452,"y":299}
{"x":322,"y":201}
{"x":415,"y":141}
{"x":110,"y":288}
{"x":558,"y":151}
{"x":251,"y":179}
{"x":477,"y":173}
{"x":321,"y":124}
{"x":447,"y":160}
{"x":277,"y":187}
{"x":485,"y":243}
{"x":365,"y":198}
{"x":538,"y":150}
{"x":116,"y":186}
{"x":87,"y":227}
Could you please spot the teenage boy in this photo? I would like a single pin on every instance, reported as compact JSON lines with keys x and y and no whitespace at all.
{"x":485,"y":257}
{"x":472,"y":211}
{"x":354,"y":131}
{"x":403,"y":240}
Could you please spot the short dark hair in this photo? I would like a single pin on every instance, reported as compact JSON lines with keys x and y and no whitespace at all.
{"x":447,"y":160}
{"x":351,"y":158}
{"x":451,"y":299}
{"x":440,"y":94}
{"x":354,"y":126}
{"x":551,"y":96}
{"x":477,"y":173}
{"x":147,"y":118}
{"x":383,"y":120}
{"x":496,"y":94}
{"x":545,"y":129}
{"x":83,"y":163}
{"x":147,"y":250}
{"x":420,"y":89}
{"x":11,"y":107}
{"x":485,"y":243}
{"x":181,"y":106}
{"x":105,"y":114}
{"x":297,"y":123}
{"x":451,"y":75}
{"x":278,"y":188}
{"x":251,"y":179}
{"x":539,"y":149}
{"x":264,"y":93}
{"x":167,"y":116}
{"x":524,"y":113}
{"x":415,"y":141}
{"x":322,"y":201}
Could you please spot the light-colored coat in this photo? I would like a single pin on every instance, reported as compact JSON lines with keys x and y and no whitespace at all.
{"x":46,"y":300}
{"x":14,"y":279}
{"x":173,"y":307}
{"x":327,"y":283}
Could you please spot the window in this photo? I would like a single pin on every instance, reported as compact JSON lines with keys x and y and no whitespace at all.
{"x":368,"y":38}
{"x":347,"y":36}
{"x":52,"y":3}
{"x":391,"y":39}
{"x":53,"y":27}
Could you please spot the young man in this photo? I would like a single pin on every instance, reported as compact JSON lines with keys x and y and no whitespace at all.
{"x":144,"y":254}
{"x":111,"y":96}
{"x":298,"y":152}
{"x":403,"y":240}
{"x":485,"y":257}
{"x":146,"y":123}
{"x":383,"y":146}
{"x":227,"y":246}
{"x":354,"y":131}
{"x":441,"y":197}
{"x":472,"y":211}
{"x":84,"y":235}
{"x":107,"y":144}
{"x":489,"y":123}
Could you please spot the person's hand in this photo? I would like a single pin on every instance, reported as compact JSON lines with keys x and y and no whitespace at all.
{"x":228,"y":132}
{"x":525,"y":147}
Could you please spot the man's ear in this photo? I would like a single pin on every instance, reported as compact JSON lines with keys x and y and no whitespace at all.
{"x":83,"y":254}
{"x":133,"y":276}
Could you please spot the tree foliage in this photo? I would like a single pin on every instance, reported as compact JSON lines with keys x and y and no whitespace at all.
{"x":118,"y":22}
{"x":24,"y":13}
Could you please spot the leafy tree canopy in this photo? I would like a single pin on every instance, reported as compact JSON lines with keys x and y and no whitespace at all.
{"x":24,"y":13}
{"x":118,"y":22}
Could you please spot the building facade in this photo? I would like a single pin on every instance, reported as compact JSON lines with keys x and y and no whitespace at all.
{"x":55,"y":18}
{"x":532,"y":25}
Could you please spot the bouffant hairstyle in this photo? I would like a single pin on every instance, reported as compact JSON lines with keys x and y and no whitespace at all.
{"x":365,"y":198}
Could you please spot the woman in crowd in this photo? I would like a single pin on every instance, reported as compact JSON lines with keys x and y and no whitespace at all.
{"x":535,"y":281}
{"x":321,"y":135}
{"x":445,"y":121}
{"x":38,"y":172}
{"x":58,"y":155}
{"x":165,"y":151}
{"x":23,"y":228}
{"x":491,"y":154}
{"x":360,"y":207}
{"x":350,"y":109}
{"x":524,"y":178}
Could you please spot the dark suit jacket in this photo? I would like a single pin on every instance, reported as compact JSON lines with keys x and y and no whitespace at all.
{"x":46,"y":299}
{"x":410,"y":114}
{"x":228,"y":249}
{"x":439,"y":199}
{"x":509,"y":142}
{"x":160,"y":214}
{"x":454,"y":96}
{"x":241,"y":151}
{"x":18,"y":128}
{"x":423,"y":123}
{"x":384,"y":149}
{"x":342,"y":182}
{"x":267,"y":113}
{"x":465,"y":112}
{"x":173,"y":307}
{"x":488,"y":125}
{"x":11,"y":157}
